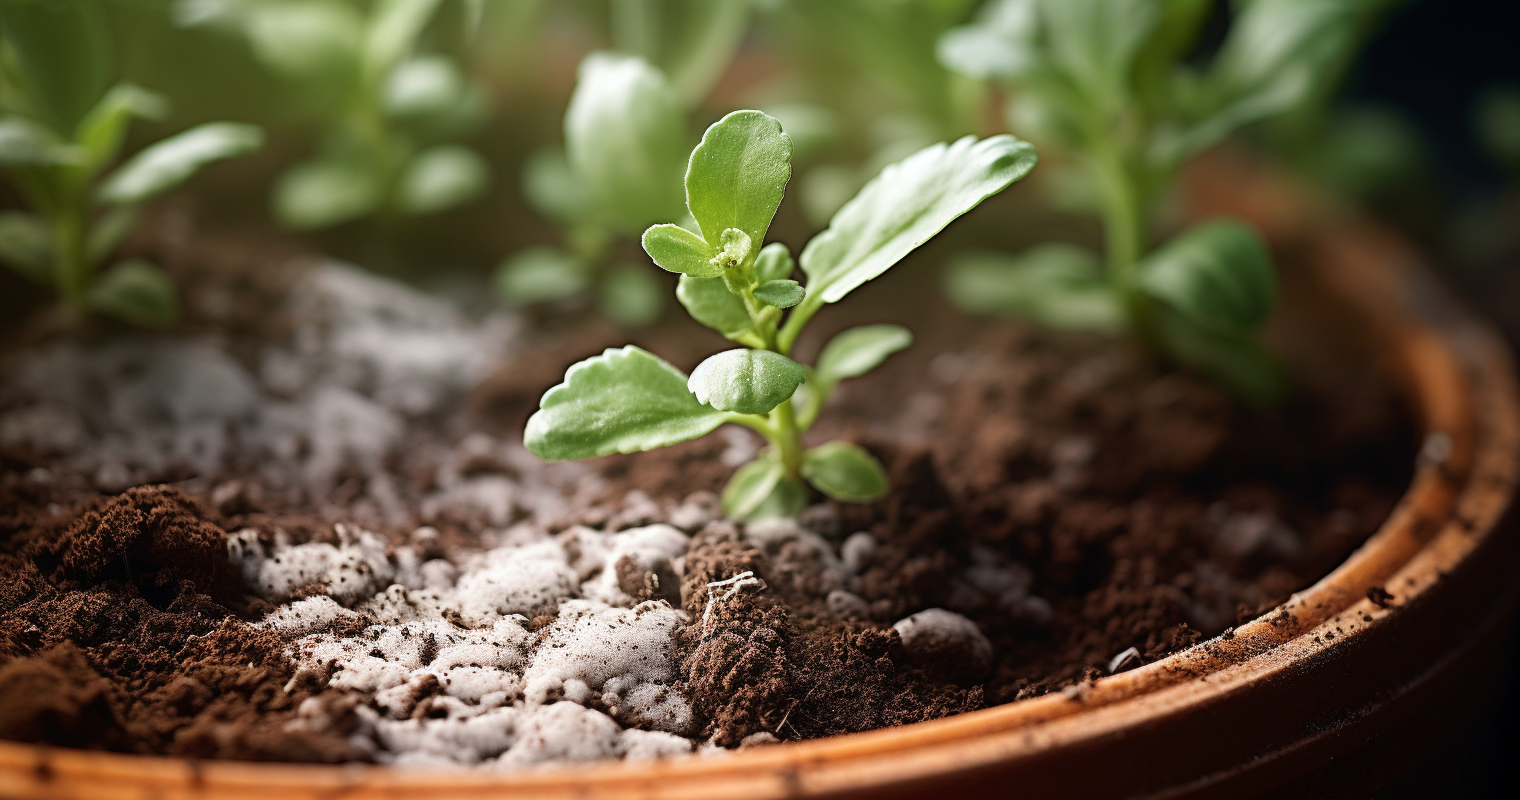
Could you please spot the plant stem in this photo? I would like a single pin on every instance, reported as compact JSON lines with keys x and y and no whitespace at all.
{"x":1124,"y":233}
{"x":73,"y":268}
{"x":788,"y":438}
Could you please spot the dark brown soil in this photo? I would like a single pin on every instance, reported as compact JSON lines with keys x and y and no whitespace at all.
{"x":116,"y":633}
{"x":1113,"y":482}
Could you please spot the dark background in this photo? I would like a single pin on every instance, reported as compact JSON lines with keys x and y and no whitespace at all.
{"x":1429,"y":61}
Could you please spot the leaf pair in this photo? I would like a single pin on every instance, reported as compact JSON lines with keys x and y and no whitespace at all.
{"x":840,"y":470}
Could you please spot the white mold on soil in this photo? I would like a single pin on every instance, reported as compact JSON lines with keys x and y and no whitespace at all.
{"x":445,"y":655}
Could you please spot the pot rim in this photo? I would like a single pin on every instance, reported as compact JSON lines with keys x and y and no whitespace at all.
{"x":1459,"y":377}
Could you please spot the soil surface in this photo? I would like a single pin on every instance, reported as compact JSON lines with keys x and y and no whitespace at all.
{"x":1086,"y":509}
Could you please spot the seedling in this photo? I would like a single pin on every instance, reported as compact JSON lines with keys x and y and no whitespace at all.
{"x":387,"y":113}
{"x":628,"y":400}
{"x":1111,"y":82}
{"x":625,"y":150}
{"x":61,"y":130}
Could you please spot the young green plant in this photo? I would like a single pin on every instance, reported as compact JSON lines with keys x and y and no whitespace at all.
{"x":625,"y":150}
{"x":1114,"y":84}
{"x":62,"y":127}
{"x":389,"y":116}
{"x":628,"y":399}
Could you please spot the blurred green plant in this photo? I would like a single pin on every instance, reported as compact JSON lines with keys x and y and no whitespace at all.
{"x":390,"y":116}
{"x":1121,"y":87}
{"x":862,"y":88}
{"x":628,"y":400}
{"x":62,"y":127}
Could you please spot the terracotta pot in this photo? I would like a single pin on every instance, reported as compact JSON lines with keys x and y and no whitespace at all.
{"x":1318,"y":695}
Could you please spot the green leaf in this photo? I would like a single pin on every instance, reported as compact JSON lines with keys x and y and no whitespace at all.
{"x":622,"y":401}
{"x":787,"y":497}
{"x":136,"y":292}
{"x":999,"y":45}
{"x":393,"y":31}
{"x":26,"y":246}
{"x":24,"y":143}
{"x":1058,"y":285}
{"x":165,"y":164}
{"x":633,"y":296}
{"x":62,"y":55}
{"x":1234,"y":359}
{"x":746,"y":381}
{"x":905,"y":206}
{"x":859,"y":350}
{"x":101,"y":131}
{"x":539,"y":275}
{"x":675,"y":249}
{"x":1093,"y":43}
{"x":774,"y":263}
{"x":625,"y":140}
{"x":108,"y":231}
{"x":315,"y":41}
{"x":737,"y":175}
{"x":709,"y":302}
{"x":1218,"y":275}
{"x":426,"y":86}
{"x":325,"y":191}
{"x":781,"y":294}
{"x":750,"y":486}
{"x":845,"y":472}
{"x":441,"y":177}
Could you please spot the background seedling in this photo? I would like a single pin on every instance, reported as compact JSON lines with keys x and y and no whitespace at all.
{"x":62,"y":127}
{"x":390,"y":116}
{"x":1114,"y":84}
{"x":628,"y":399}
{"x":625,"y":152}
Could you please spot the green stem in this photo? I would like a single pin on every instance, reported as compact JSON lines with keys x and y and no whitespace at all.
{"x":1124,"y":233}
{"x":788,"y":438}
{"x":73,"y":268}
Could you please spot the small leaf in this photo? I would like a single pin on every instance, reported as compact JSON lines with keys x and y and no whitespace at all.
{"x":109,"y":230}
{"x":750,"y":486}
{"x":625,"y":140}
{"x":1218,"y":274}
{"x":324,"y":192}
{"x":101,"y":130}
{"x":774,"y":263}
{"x":1234,"y":359}
{"x":633,"y":296}
{"x":845,"y":472}
{"x":905,"y":206}
{"x":787,"y":497}
{"x":1057,"y":285}
{"x":165,"y":164}
{"x":709,"y":302}
{"x":781,"y":294}
{"x":393,"y":30}
{"x":136,"y":292}
{"x":310,"y":41}
{"x":737,"y":175}
{"x":746,"y":381}
{"x":859,"y":350}
{"x":999,"y":45}
{"x":622,"y":401}
{"x":24,"y":143}
{"x":426,"y":86}
{"x":26,"y":246}
{"x":539,"y":275}
{"x":675,"y":249}
{"x":441,"y":177}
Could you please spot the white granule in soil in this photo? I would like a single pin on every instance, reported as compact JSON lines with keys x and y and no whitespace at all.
{"x":451,"y":673}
